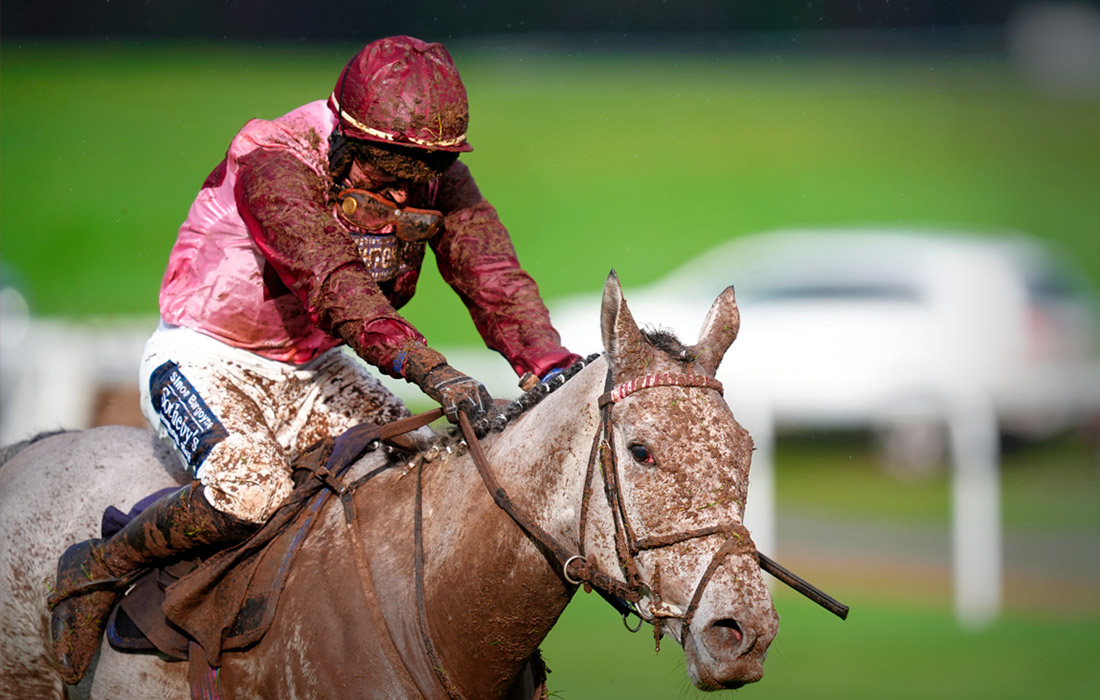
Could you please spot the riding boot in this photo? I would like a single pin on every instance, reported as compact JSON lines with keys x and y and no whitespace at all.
{"x":90,"y":574}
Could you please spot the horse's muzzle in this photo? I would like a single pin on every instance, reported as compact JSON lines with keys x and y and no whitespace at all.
{"x":727,"y":656}
{"x":728,"y":639}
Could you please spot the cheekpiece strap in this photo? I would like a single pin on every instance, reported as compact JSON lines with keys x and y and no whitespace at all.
{"x":621,"y":391}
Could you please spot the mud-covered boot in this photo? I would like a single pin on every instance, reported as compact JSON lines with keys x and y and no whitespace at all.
{"x":90,"y":574}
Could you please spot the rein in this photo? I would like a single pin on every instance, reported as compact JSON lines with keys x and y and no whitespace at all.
{"x":576,"y":568}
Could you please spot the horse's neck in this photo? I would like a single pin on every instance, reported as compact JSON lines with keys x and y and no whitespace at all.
{"x":541,"y":460}
{"x":496,"y":589}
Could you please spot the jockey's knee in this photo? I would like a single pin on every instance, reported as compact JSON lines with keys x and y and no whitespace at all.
{"x":252,"y":499}
{"x":248,"y":483}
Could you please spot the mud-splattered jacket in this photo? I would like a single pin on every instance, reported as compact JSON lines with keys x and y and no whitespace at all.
{"x":264,"y":263}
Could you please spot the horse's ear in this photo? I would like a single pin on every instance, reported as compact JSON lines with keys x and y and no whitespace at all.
{"x":620,"y":333}
{"x":719,"y":330}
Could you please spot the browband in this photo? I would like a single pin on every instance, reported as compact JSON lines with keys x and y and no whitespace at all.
{"x":621,"y":391}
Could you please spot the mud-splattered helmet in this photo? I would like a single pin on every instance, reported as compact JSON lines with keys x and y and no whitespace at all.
{"x":405,"y":92}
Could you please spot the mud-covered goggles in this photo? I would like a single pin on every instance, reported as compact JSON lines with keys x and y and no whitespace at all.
{"x":372,"y":212}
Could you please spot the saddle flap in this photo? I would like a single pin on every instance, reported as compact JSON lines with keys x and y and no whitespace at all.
{"x":138,"y":622}
{"x":230,"y":599}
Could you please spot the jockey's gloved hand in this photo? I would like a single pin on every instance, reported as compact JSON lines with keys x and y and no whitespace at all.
{"x":457,"y":392}
{"x":453,"y":390}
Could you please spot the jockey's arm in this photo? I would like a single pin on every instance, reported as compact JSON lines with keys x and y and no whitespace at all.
{"x":283,"y":202}
{"x":477,"y":259}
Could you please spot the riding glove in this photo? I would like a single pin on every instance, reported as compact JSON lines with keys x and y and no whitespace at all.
{"x":453,"y":390}
{"x":457,"y":392}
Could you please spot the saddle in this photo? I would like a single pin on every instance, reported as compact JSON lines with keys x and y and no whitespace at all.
{"x":199,"y":609}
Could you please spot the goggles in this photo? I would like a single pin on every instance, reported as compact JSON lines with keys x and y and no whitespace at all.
{"x":373,"y":212}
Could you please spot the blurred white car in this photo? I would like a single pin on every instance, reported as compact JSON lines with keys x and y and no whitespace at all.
{"x":885,"y":330}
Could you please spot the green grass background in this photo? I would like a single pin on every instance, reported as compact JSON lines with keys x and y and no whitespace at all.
{"x":884,"y":651}
{"x":638,"y":163}
{"x":594,"y":161}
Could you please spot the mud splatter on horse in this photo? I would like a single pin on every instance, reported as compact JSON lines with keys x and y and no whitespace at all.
{"x":635,"y":468}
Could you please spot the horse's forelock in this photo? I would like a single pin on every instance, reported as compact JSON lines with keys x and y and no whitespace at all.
{"x":667,"y":342}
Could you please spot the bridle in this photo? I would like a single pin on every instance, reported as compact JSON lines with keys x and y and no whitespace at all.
{"x":628,"y":545}
{"x":576,"y":567}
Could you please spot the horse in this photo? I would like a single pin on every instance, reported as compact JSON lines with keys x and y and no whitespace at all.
{"x":630,"y":477}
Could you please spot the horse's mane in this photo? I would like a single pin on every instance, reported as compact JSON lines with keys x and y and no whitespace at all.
{"x":531,"y":398}
{"x":453,"y":442}
{"x":661,"y":339}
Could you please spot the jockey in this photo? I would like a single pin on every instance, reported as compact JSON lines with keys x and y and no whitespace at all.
{"x":306,"y":238}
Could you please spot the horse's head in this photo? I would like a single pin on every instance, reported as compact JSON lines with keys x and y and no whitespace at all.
{"x":677,"y":464}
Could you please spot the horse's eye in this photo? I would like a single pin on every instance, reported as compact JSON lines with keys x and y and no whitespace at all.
{"x":641,"y":454}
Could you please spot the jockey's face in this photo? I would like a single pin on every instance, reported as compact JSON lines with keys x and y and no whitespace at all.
{"x":368,"y":177}
{"x":393,"y":162}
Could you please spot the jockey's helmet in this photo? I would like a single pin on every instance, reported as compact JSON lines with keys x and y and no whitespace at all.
{"x":403,"y":91}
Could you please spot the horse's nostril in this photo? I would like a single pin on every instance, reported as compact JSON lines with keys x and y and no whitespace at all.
{"x":726,"y":632}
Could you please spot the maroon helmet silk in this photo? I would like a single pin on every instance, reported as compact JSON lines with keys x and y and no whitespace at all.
{"x":405,"y":91}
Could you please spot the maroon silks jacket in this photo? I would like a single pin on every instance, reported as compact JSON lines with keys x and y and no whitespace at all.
{"x":264,"y":263}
